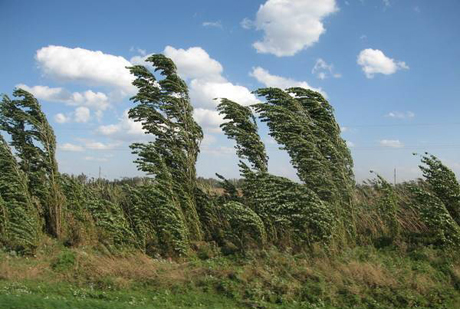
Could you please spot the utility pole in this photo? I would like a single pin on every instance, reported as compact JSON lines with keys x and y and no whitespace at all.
{"x":100,"y":171}
{"x":395,"y":178}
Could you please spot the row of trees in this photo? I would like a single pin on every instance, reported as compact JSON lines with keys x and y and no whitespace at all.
{"x":170,"y":211}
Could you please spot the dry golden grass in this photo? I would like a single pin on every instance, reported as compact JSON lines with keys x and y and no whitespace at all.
{"x":11,"y":270}
{"x":369,"y":274}
{"x":135,"y":267}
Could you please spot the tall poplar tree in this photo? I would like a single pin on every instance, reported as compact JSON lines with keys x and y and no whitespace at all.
{"x":164,"y":110}
{"x":34,"y":143}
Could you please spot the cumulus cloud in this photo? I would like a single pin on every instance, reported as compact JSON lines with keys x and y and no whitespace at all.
{"x":125,"y":130}
{"x":82,"y":114}
{"x":392,"y":143}
{"x":374,"y":61}
{"x":264,"y":77}
{"x":401,"y":115}
{"x":207,"y":84}
{"x":290,"y":25}
{"x":91,"y":99}
{"x":204,"y":93}
{"x":87,"y":144}
{"x":195,"y":63}
{"x":95,"y":159}
{"x":210,"y":120}
{"x":323,"y":70}
{"x":86,"y":66}
{"x":61,"y":118}
{"x":95,"y":145}
{"x":71,"y":147}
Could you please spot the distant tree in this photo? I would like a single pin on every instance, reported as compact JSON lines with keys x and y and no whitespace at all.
{"x":34,"y":143}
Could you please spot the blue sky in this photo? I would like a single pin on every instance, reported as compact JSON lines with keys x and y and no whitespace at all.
{"x":390,"y":69}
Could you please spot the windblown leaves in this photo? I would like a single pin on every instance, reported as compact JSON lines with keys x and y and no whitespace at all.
{"x":19,"y":219}
{"x":242,"y":127}
{"x":34,"y":143}
{"x":164,"y":110}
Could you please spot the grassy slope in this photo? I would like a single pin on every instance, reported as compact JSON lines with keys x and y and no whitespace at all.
{"x":360,"y":278}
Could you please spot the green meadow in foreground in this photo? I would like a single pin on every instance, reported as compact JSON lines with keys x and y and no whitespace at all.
{"x":364,"y":277}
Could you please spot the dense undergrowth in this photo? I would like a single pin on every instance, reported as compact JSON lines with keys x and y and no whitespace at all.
{"x":263,"y":240}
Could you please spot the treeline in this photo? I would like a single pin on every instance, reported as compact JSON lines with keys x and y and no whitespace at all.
{"x":173,"y":211}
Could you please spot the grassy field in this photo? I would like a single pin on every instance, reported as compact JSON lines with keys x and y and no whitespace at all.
{"x":58,"y":277}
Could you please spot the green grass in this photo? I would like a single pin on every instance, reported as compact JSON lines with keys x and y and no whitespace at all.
{"x":59,"y":296}
{"x":363,"y":277}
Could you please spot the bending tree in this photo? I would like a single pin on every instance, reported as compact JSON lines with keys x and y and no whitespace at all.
{"x":242,"y":127}
{"x":303,"y":123}
{"x":164,"y":110}
{"x":292,"y":213}
{"x":34,"y":143}
{"x":19,"y":220}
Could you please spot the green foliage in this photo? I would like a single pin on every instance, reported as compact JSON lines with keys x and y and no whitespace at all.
{"x":443,"y":183}
{"x":292,"y":213}
{"x":64,"y":261}
{"x":19,"y":220}
{"x":112,"y":227}
{"x":242,"y":127}
{"x":443,"y":230}
{"x":163,"y":228}
{"x":387,"y":207}
{"x":242,"y":226}
{"x":164,"y":110}
{"x":34,"y":141}
{"x":303,"y":123}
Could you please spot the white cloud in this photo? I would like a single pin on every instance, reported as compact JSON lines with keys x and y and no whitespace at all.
{"x":214,"y":24}
{"x":392,"y":143}
{"x":204,"y":92}
{"x":206,"y":84}
{"x":195,"y":63}
{"x":323,"y":70}
{"x":401,"y":115}
{"x":71,"y":147}
{"x":210,"y":120}
{"x":89,"y":98}
{"x":95,"y":159}
{"x":219,"y":151}
{"x":374,"y":61}
{"x":86,"y":66}
{"x":387,"y":3}
{"x":290,"y":25}
{"x":82,"y":114}
{"x":126,"y":129}
{"x":61,"y":118}
{"x":263,"y":76}
{"x":87,"y":144}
